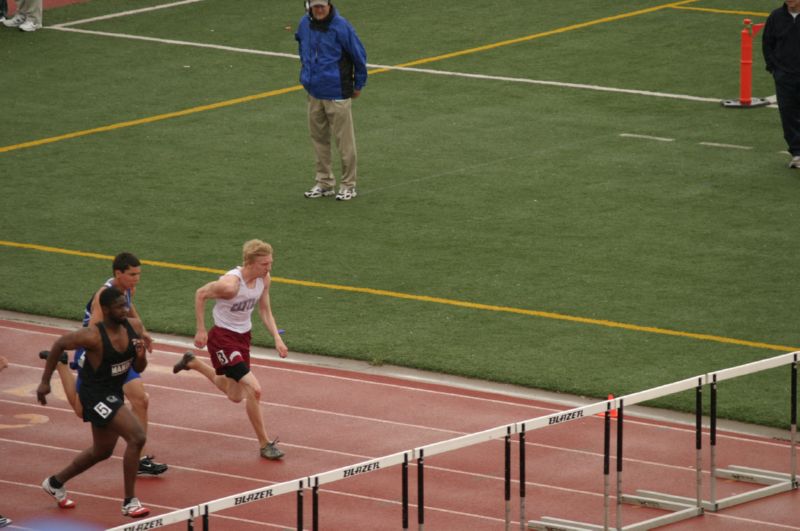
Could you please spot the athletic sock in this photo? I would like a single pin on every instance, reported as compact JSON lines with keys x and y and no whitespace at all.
{"x":56,"y":484}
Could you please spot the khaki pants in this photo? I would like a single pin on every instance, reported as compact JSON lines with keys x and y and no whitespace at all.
{"x":32,"y":9}
{"x":328,"y":118}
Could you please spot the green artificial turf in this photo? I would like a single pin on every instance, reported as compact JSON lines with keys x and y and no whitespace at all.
{"x":486,"y":191}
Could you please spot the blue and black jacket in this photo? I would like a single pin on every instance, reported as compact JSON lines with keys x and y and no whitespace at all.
{"x":333,"y":59}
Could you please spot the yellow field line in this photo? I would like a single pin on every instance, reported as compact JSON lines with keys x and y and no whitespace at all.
{"x":151,"y":119}
{"x":722,"y":11}
{"x":263,"y":95}
{"x":550,"y":33}
{"x":433,"y":300}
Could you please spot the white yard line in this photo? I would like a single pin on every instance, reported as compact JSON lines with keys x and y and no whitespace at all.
{"x":124,"y":14}
{"x":647,"y":137}
{"x":599,"y":88}
{"x":707,"y":144}
{"x":583,"y":86}
{"x":430,"y":71}
{"x":178,"y":43}
{"x":727,"y":146}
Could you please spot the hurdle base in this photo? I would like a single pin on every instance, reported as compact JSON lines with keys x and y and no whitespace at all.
{"x":549,"y":523}
{"x":776,"y":482}
{"x":680,"y":509}
{"x":738,"y":104}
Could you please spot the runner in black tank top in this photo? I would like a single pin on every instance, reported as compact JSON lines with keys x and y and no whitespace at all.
{"x":101,"y":390}
{"x":112,"y":348}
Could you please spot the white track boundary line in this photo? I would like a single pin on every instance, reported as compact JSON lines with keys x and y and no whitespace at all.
{"x":124,"y":14}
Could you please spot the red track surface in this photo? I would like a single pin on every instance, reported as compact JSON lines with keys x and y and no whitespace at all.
{"x":329,"y":418}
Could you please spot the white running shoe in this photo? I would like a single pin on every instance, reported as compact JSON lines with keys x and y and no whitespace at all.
{"x":59,"y":494}
{"x":15,"y":21}
{"x":346,"y":194}
{"x":134,"y":509}
{"x":30,"y":25}
{"x":795,"y":163}
{"x":318,"y":191}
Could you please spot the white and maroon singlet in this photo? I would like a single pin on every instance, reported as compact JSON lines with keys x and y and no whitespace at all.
{"x":234,"y":314}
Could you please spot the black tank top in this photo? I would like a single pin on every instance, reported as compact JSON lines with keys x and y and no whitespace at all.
{"x":114,"y":366}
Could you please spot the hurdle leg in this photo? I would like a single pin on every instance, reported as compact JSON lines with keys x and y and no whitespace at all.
{"x":507,"y":493}
{"x":522,"y":517}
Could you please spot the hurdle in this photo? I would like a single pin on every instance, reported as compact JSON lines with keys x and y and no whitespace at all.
{"x":365,"y":467}
{"x":775,"y":482}
{"x":500,"y":432}
{"x":605,"y":408}
{"x":677,"y":510}
{"x":250,"y":496}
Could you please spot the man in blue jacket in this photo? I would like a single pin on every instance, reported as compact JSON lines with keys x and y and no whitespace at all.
{"x":333,"y":72}
{"x":781,"y":47}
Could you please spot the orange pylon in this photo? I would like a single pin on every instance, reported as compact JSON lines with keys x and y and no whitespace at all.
{"x":613,"y":412}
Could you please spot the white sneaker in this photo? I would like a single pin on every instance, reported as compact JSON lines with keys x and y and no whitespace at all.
{"x":60,"y":495}
{"x":318,"y":191}
{"x":15,"y":21}
{"x":795,"y":163}
{"x":134,"y":509}
{"x":29,"y":25}
{"x":346,"y":194}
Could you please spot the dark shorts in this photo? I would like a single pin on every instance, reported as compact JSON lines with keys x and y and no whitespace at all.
{"x":100,"y":406}
{"x":229,"y":352}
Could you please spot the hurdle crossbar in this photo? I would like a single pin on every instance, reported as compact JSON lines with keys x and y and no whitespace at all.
{"x":500,"y":432}
{"x":358,"y":469}
{"x":364,"y":467}
{"x":466,"y":440}
{"x":250,"y":496}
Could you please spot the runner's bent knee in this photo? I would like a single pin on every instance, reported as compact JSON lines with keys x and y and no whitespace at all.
{"x":140,"y":401}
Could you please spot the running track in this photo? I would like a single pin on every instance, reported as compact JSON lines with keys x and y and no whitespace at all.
{"x":329,"y":418}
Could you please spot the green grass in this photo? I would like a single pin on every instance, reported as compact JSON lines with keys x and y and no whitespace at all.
{"x":477,"y":190}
